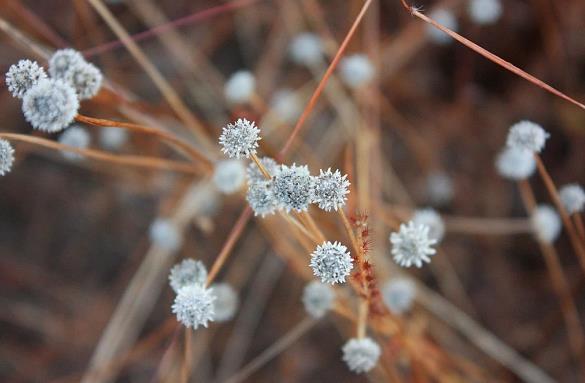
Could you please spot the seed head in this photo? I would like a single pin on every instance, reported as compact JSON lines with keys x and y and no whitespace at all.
{"x":165,"y":235}
{"x":330,"y":190}
{"x":50,"y":105}
{"x":261,"y":198}
{"x":76,"y":137}
{"x":254,"y":174}
{"x":412,"y":245}
{"x":240,"y":139}
{"x":87,"y":79}
{"x":445,"y":18}
{"x":439,"y":188}
{"x":318,"y":299}
{"x":398,"y":295}
{"x":23,"y":76}
{"x":356,"y":70}
{"x":573,"y":198}
{"x":240,"y":87}
{"x":515,"y":164}
{"x":306,"y":49}
{"x":361,"y":354}
{"x":293,"y":187}
{"x":226,"y":302}
{"x":546,"y":223}
{"x":286,"y":106}
{"x":63,"y":62}
{"x":433,"y":220}
{"x":187,"y":272}
{"x":527,"y":135}
{"x":484,"y":12}
{"x":194,"y":306}
{"x":331,"y":262}
{"x":229,"y":175}
{"x":113,"y":138}
{"x":6,"y":157}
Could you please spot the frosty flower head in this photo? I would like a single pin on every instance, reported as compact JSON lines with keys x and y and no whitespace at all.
{"x":76,"y":137}
{"x":546,"y":223}
{"x":515,"y":164}
{"x":261,"y":198}
{"x":398,"y":295}
{"x":361,"y":354}
{"x":573,"y":198}
{"x":165,"y":234}
{"x":187,"y":272}
{"x":445,"y":18}
{"x":240,"y":139}
{"x":63,"y":62}
{"x":194,"y":306}
{"x":50,"y":105}
{"x":306,"y":49}
{"x":439,"y":188}
{"x":6,"y":157}
{"x":229,"y":175}
{"x":255,"y":175}
{"x":293,"y":187}
{"x":330,"y":190}
{"x":331,"y":262}
{"x":240,"y":87}
{"x":527,"y":135}
{"x":484,"y":12}
{"x":23,"y":76}
{"x":412,"y":245}
{"x":226,"y":302}
{"x":286,"y":106}
{"x":318,"y":299}
{"x":433,"y":220}
{"x":87,"y":79}
{"x":113,"y":138}
{"x":356,"y":70}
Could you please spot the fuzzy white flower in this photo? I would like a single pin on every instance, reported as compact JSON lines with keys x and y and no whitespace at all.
{"x":286,"y":106}
{"x":254,"y":174}
{"x":412,"y":245}
{"x":229,"y":175}
{"x":63,"y":62}
{"x":356,"y":70}
{"x":23,"y":76}
{"x":439,"y":188}
{"x":261,"y":198}
{"x":528,"y":136}
{"x":50,"y":105}
{"x":165,"y":234}
{"x":330,"y":190}
{"x":546,"y":223}
{"x":187,"y":272}
{"x":433,"y":220}
{"x":86,"y":78}
{"x":6,"y":157}
{"x":331,"y":262}
{"x":194,"y":306}
{"x":448,"y":20}
{"x":226,"y":302}
{"x":573,"y":198}
{"x":318,"y":299}
{"x":293,"y":187}
{"x":76,"y":137}
{"x":515,"y":164}
{"x":398,"y":295}
{"x":113,"y":138}
{"x":240,"y":87}
{"x":306,"y":49}
{"x":361,"y":354}
{"x":240,"y":139}
{"x":484,"y":12}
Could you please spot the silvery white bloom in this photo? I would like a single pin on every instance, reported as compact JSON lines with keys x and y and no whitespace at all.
{"x":433,"y":220}
{"x":318,"y":299}
{"x":361,"y":355}
{"x":356,"y":70}
{"x":528,"y":136}
{"x":22,"y":76}
{"x":411,"y":245}
{"x":50,"y":105}
{"x":240,"y":87}
{"x":87,"y":79}
{"x":445,"y":18}
{"x":63,"y":61}
{"x":261,"y":198}
{"x":573,"y":198}
{"x":254,"y":174}
{"x":165,"y":234}
{"x":293,"y":187}
{"x":113,"y":138}
{"x":331,"y":262}
{"x":187,"y":272}
{"x":226,"y":302}
{"x":398,"y":295}
{"x":484,"y":12}
{"x":194,"y":306}
{"x":76,"y":137}
{"x":515,"y":164}
{"x":240,"y":139}
{"x":330,"y":190}
{"x":439,"y":187}
{"x":306,"y":49}
{"x":546,"y":223}
{"x":6,"y":157}
{"x":286,"y":106}
{"x":229,"y":175}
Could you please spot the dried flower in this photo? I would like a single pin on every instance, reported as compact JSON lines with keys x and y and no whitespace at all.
{"x":318,"y":299}
{"x":330,"y":190}
{"x":166,"y":235}
{"x":76,"y":137}
{"x":63,"y":62}
{"x":50,"y":105}
{"x":240,"y":139}
{"x":240,"y":87}
{"x":286,"y":106}
{"x":439,"y":188}
{"x":356,"y":70}
{"x":515,"y":164}
{"x":412,"y":245}
{"x":306,"y":49}
{"x":6,"y":157}
{"x":229,"y":175}
{"x":226,"y":302}
{"x":254,"y":174}
{"x":484,"y":12}
{"x":546,"y":223}
{"x":331,"y":262}
{"x":187,"y":272}
{"x":194,"y":306}
{"x":361,"y":354}
{"x":113,"y":138}
{"x":261,"y":198}
{"x":573,"y":198}
{"x":23,"y":76}
{"x":433,"y":220}
{"x":528,"y":136}
{"x":87,"y":79}
{"x":293,"y":187}
{"x":445,"y":18}
{"x":398,"y":295}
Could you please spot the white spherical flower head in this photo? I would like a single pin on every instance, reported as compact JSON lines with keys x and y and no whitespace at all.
{"x":63,"y":62}
{"x":361,"y":354}
{"x":293,"y":188}
{"x":306,"y":49}
{"x":50,"y":105}
{"x":194,"y":306}
{"x":527,"y":135}
{"x":113,"y":138}
{"x":515,"y":164}
{"x":356,"y":70}
{"x":439,"y":188}
{"x":546,"y":223}
{"x":254,"y":174}
{"x":87,"y":79}
{"x":445,"y":18}
{"x":229,"y":175}
{"x":240,"y":87}
{"x":240,"y":139}
{"x":6,"y":157}
{"x":286,"y":105}
{"x":165,"y":235}
{"x":330,"y":190}
{"x":398,"y":295}
{"x":226,"y":302}
{"x":23,"y":76}
{"x":433,"y":220}
{"x":573,"y":198}
{"x":412,"y":245}
{"x":484,"y":12}
{"x":331,"y":262}
{"x":187,"y":272}
{"x":318,"y":299}
{"x":261,"y":198}
{"x":76,"y":137}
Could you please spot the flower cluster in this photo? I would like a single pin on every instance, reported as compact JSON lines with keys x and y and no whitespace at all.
{"x":412,"y":245}
{"x":331,"y":262}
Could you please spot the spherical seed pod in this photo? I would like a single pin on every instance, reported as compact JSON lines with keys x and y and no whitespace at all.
{"x":318,"y":299}
{"x":331,"y":262}
{"x":194,"y":306}
{"x":527,"y":135}
{"x":361,"y":354}
{"x":50,"y":105}
{"x":187,"y":272}
{"x":23,"y":76}
{"x":412,"y":245}
{"x":240,"y":139}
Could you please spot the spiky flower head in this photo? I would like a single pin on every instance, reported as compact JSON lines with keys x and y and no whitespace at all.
{"x":398,"y":294}
{"x":113,"y":138}
{"x":63,"y":62}
{"x":318,"y":299}
{"x":433,"y":220}
{"x":261,"y":198}
{"x":240,"y":87}
{"x":240,"y":139}
{"x":330,"y":190}
{"x":356,"y":70}
{"x":165,"y":234}
{"x":361,"y":354}
{"x":194,"y":306}
{"x":50,"y":105}
{"x":484,"y":12}
{"x":573,"y":198}
{"x":447,"y":19}
{"x":331,"y":262}
{"x":306,"y":49}
{"x":6,"y":157}
{"x":226,"y":302}
{"x":76,"y":137}
{"x":87,"y":79}
{"x":254,"y":174}
{"x":546,"y":223}
{"x":229,"y":175}
{"x":22,"y":76}
{"x":515,"y":164}
{"x":412,"y":245}
{"x":187,"y":272}
{"x":293,"y":187}
{"x":527,"y":135}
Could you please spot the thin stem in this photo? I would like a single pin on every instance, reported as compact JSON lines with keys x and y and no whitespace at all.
{"x":186,"y":369}
{"x":313,"y":225}
{"x":487,"y":226}
{"x":362,"y":318}
{"x":349,"y":230}
{"x":299,"y":226}
{"x":261,"y":167}
{"x":579,"y":225}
